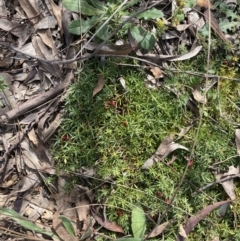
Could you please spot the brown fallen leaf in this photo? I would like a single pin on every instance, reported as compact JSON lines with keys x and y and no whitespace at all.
{"x":162,"y":149}
{"x":158,"y":230}
{"x":194,"y":220}
{"x":182,"y":27}
{"x":237,"y":140}
{"x":57,"y":11}
{"x":228,"y":185}
{"x":106,"y":224}
{"x":157,"y":72}
{"x":99,"y":85}
{"x":33,"y":137}
{"x":47,"y":22}
{"x":83,"y":211}
{"x":166,"y":147}
{"x":199,"y":97}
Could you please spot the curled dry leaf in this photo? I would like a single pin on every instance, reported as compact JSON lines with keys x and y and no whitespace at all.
{"x":165,"y":148}
{"x":99,"y":85}
{"x":228,"y":185}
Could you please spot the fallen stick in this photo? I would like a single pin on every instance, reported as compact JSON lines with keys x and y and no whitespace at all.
{"x":35,"y":102}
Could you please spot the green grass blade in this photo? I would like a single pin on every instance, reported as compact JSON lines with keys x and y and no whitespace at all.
{"x":67,"y":224}
{"x":25,"y":222}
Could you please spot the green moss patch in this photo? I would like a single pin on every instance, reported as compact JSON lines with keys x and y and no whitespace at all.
{"x":117,"y":130}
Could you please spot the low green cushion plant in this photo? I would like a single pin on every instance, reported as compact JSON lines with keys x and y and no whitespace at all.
{"x":117,"y":130}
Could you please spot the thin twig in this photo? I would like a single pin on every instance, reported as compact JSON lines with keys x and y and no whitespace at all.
{"x":216,"y":182}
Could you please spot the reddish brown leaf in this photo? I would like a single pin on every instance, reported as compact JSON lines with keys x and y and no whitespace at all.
{"x":108,"y":225}
{"x":194,"y":220}
{"x":99,"y":85}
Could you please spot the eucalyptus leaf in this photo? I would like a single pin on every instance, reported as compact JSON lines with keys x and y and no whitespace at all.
{"x":151,"y":14}
{"x":24,"y":222}
{"x":138,"y":222}
{"x":67,"y":224}
{"x":82,"y":6}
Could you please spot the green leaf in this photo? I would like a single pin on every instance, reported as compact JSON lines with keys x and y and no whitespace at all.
{"x":146,"y":39}
{"x":148,"y":42}
{"x":190,"y":3}
{"x":67,"y":224}
{"x":151,"y":14}
{"x":137,"y":33}
{"x":97,"y":4}
{"x":81,"y":6}
{"x":129,"y":239}
{"x":138,"y":222}
{"x":103,"y":33}
{"x":227,"y":25}
{"x":130,"y":4}
{"x":79,"y":27}
{"x":180,"y":16}
{"x":25,"y":222}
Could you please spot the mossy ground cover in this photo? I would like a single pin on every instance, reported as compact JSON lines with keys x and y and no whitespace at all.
{"x":117,"y":130}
